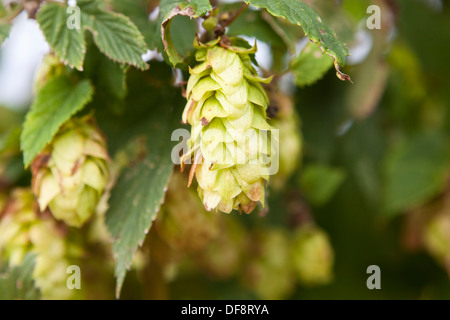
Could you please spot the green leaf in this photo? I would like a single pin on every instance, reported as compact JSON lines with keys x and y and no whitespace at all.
{"x":319,"y":183}
{"x":183,"y":42}
{"x":68,"y":44}
{"x":171,"y":8}
{"x":55,"y":103}
{"x":299,"y":13}
{"x":4,"y":32}
{"x":114,"y":34}
{"x":17,"y":283}
{"x":144,"y":136}
{"x":415,"y":172}
{"x":311,"y":65}
{"x":118,"y":38}
{"x":136,"y":199}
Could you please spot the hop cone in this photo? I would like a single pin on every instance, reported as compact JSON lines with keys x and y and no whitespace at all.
{"x":312,"y":256}
{"x":223,"y":256}
{"x":70,"y":174}
{"x":22,"y":230}
{"x":227,"y":111}
{"x":18,"y":218}
{"x":268,"y":272}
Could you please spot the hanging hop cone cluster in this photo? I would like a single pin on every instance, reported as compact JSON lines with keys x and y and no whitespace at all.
{"x":24,"y":230}
{"x":70,"y":175}
{"x":231,"y":141}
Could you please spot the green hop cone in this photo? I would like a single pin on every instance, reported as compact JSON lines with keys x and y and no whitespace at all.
{"x":24,"y":229}
{"x":312,"y":256}
{"x":70,"y":175}
{"x":268,"y":272}
{"x":230,"y":137}
{"x":17,"y":219}
{"x":223,"y":256}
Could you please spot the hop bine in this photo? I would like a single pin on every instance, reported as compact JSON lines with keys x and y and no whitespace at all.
{"x":231,"y":141}
{"x":70,"y":175}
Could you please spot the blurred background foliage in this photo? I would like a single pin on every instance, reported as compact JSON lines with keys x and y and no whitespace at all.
{"x":372,"y":186}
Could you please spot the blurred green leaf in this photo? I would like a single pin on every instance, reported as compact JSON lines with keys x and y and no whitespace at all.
{"x":17,"y":283}
{"x":311,"y":65}
{"x":10,"y":140}
{"x":416,"y":171}
{"x":4,"y":32}
{"x":320,"y":182}
{"x":55,"y":103}
{"x":357,"y":8}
